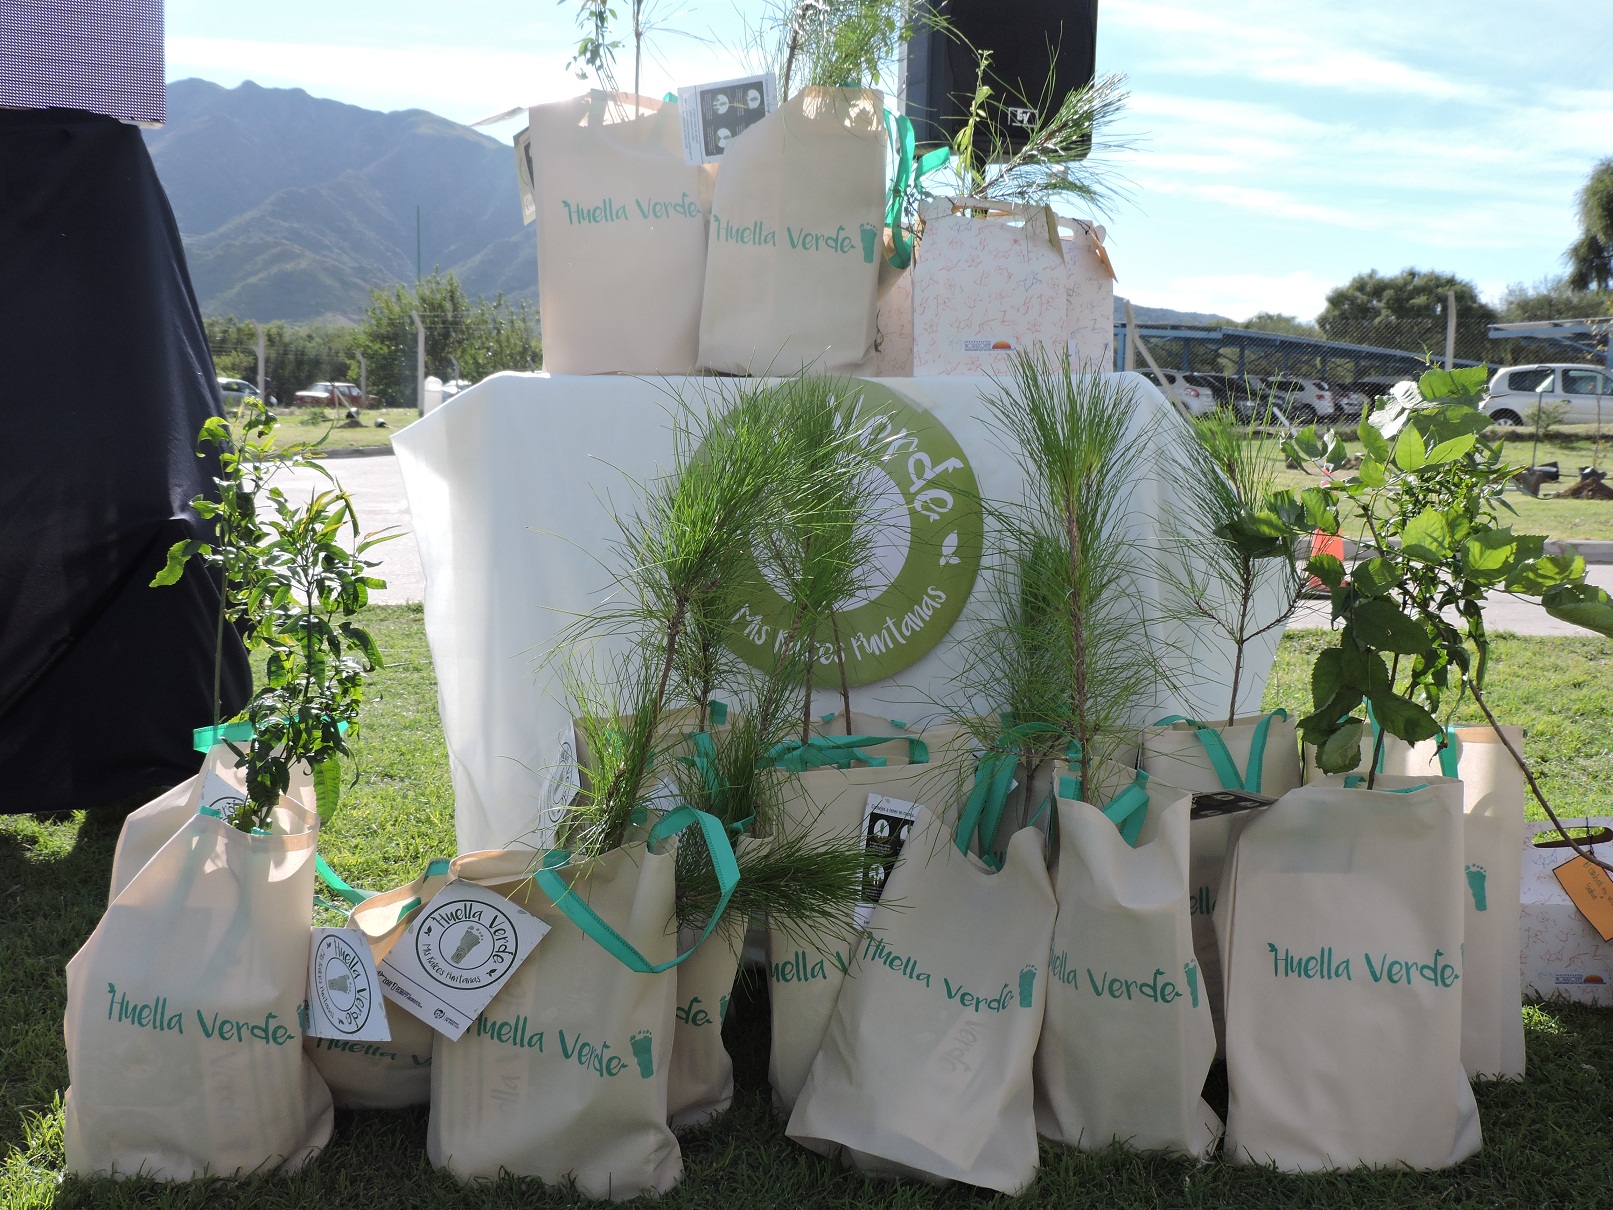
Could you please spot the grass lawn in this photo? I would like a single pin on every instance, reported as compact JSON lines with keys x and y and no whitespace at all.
{"x":309,"y":424}
{"x":1548,"y":1141}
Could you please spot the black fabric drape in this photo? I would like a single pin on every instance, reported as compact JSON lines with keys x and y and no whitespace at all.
{"x":107,"y":381}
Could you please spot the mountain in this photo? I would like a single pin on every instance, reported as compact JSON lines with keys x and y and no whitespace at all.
{"x":1164,"y":315}
{"x":291,"y":207}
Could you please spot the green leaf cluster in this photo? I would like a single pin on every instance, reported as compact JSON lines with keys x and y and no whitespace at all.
{"x":1427,"y":501}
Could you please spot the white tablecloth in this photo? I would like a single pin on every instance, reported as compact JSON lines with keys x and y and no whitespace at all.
{"x":508,"y":486}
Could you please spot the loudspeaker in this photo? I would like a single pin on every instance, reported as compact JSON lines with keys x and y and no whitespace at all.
{"x":1027,"y":39}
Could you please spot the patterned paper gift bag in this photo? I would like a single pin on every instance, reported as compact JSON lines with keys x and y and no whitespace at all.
{"x":397,"y":1073}
{"x":184,"y":1045}
{"x":1340,"y":925}
{"x":621,"y":225}
{"x":926,"y":1066}
{"x":1259,"y":753}
{"x":565,"y":1072}
{"x":797,"y":237}
{"x":1127,"y":1040}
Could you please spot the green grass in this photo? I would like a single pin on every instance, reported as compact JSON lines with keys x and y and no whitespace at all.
{"x":309,"y":424}
{"x":1548,"y":1141}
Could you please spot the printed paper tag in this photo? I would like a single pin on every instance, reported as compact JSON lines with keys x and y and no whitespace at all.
{"x":1589,"y":886}
{"x":524,"y":176}
{"x":713,"y":114}
{"x":219,"y":793}
{"x":458,"y":953}
{"x":1003,"y":344}
{"x":886,"y":823}
{"x":565,"y":777}
{"x":344,"y":992}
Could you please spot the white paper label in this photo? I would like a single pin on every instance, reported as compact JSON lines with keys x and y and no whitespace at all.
{"x":713,"y":114}
{"x":524,"y":175}
{"x":457,"y":955}
{"x":344,"y":992}
{"x":886,"y":823}
{"x":219,"y":793}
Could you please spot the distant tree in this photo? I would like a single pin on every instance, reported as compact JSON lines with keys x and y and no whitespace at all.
{"x":1287,"y":325}
{"x":1590,"y":257}
{"x":1406,"y":311}
{"x":481,"y":336}
{"x":294,"y":357}
{"x":1553,"y":298}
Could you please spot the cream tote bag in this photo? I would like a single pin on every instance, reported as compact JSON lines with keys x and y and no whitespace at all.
{"x":148,"y":828}
{"x":797,"y":239}
{"x":1128,"y":1039}
{"x":824,"y":802}
{"x":621,"y":236}
{"x":184,"y":1045}
{"x":1259,"y":753}
{"x":1493,"y":791}
{"x":926,"y":1066}
{"x":1341,"y":930}
{"x":700,"y":1075}
{"x":394,"y":1074}
{"x":565,"y":1072}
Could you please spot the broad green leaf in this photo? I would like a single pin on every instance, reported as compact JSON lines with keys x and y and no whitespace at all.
{"x":1327,"y":568}
{"x":178,"y":555}
{"x":1545,"y":572}
{"x":327,"y":787}
{"x":1373,"y":440}
{"x":1582,"y":605}
{"x":1319,"y":510}
{"x":1409,"y":452}
{"x":1427,"y":537}
{"x":1488,"y":555}
{"x":1454,"y":384}
{"x":1341,"y":751}
{"x":1450,"y":451}
{"x":1378,"y":624}
{"x":1372,"y":472}
{"x":1404,"y":718}
{"x":1327,"y":675}
{"x":1374,"y":577}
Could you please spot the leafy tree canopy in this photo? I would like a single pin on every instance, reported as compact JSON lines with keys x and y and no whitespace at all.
{"x":1406,"y":310}
{"x":1590,"y":257}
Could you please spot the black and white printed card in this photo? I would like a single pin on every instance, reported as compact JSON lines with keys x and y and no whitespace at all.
{"x":886,"y":824}
{"x":714,"y":114}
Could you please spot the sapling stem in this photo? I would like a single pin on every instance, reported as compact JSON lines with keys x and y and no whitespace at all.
{"x":840,"y":660}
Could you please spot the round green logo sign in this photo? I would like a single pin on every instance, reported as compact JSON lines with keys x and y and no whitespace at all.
{"x":925,"y":506}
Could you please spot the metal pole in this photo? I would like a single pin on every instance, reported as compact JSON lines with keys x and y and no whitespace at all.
{"x":419,"y":364}
{"x":1131,"y":342}
{"x":1450,"y":329}
{"x":261,"y":349}
{"x":417,"y":245}
{"x":363,"y":381}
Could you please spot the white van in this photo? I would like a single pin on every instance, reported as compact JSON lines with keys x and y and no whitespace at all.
{"x":1587,"y":390}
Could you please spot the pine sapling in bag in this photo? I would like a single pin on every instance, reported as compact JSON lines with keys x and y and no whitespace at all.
{"x":1340,"y":923}
{"x":184,"y":1045}
{"x":925,"y":1069}
{"x":797,"y":223}
{"x":621,"y":236}
{"x":1127,"y":1040}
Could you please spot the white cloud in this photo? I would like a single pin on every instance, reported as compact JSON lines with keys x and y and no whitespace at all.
{"x":1241,"y":295}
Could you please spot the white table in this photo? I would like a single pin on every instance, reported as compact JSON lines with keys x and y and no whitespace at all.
{"x":508,"y":484}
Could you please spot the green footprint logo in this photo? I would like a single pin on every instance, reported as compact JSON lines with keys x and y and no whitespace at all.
{"x":870,"y":238}
{"x":1475,"y":886}
{"x":643,"y":1047}
{"x":1027,"y":986}
{"x":1192,"y":969}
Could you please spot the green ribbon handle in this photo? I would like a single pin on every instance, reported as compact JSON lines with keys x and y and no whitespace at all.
{"x":983,"y":811}
{"x":336,"y":883}
{"x":564,"y":897}
{"x":1221,"y":760}
{"x":1128,"y":810}
{"x":1357,"y":782}
{"x":704,"y":761}
{"x":839,"y":752}
{"x":899,"y":129}
{"x":241,"y":732}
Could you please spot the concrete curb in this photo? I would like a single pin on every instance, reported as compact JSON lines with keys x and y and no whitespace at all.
{"x":358,"y":451}
{"x":1590,"y":551}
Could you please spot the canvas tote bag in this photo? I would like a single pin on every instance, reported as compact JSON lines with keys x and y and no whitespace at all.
{"x":797,"y":232}
{"x":1493,"y":791}
{"x":565,"y":1072}
{"x":926,"y":1066}
{"x":621,"y":236}
{"x":823,"y":803}
{"x":1341,"y":932}
{"x":184,"y":1045}
{"x":148,"y":828}
{"x":397,"y":1073}
{"x":1259,"y":753}
{"x":1128,"y":1040}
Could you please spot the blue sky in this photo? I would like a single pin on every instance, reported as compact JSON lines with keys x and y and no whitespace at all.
{"x":1282,"y":145}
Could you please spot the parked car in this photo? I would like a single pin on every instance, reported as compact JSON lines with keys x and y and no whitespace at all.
{"x":236,"y":389}
{"x":1220,"y":386}
{"x":346,"y":395}
{"x":1301,"y":400}
{"x":1583,"y":389}
{"x":1178,"y":388}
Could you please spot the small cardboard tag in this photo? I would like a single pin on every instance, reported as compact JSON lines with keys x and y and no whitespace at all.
{"x":344,"y":992}
{"x":886,"y":823}
{"x":222,"y":795}
{"x":459,"y":951}
{"x":714,"y":114}
{"x":1591,"y":890}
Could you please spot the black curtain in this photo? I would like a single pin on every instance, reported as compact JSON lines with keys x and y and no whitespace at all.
{"x":107,"y":379}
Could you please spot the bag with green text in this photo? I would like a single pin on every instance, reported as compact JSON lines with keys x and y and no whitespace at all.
{"x":565,"y":1072}
{"x":184,"y":1044}
{"x":1259,"y":753}
{"x":1340,"y":925}
{"x":926,"y":1067}
{"x":397,"y":1073}
{"x":797,"y":239}
{"x":838,"y":786}
{"x":621,"y":235}
{"x":1127,"y":1040}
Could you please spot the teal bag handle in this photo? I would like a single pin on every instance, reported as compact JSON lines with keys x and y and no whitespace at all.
{"x":336,"y":883}
{"x":1127,"y":810}
{"x":899,"y":129}
{"x":1221,"y":760}
{"x":840,"y":752}
{"x":1450,"y":752}
{"x":704,"y":761}
{"x":983,"y":810}
{"x":1356,"y":781}
{"x":607,"y":938}
{"x":203,"y":738}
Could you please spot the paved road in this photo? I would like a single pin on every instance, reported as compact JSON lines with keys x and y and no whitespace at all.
{"x":377,"y":490}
